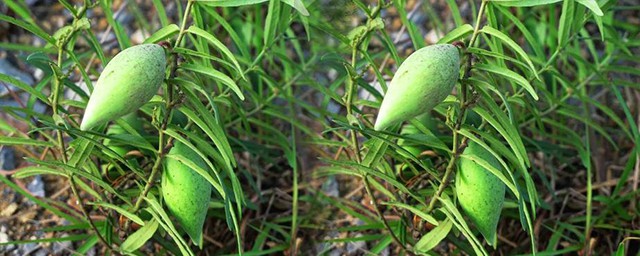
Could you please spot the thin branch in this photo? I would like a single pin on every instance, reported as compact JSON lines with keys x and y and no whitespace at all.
{"x":459,"y":144}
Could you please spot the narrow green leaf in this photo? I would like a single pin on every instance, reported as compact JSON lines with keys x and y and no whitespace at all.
{"x":8,"y":141}
{"x":271,"y":23}
{"x":513,"y":45}
{"x":431,"y":239}
{"x":235,"y":37}
{"x":514,"y":141}
{"x":189,"y":163}
{"x":4,"y":125}
{"x":533,"y":42}
{"x":210,"y":126}
{"x":425,"y":216}
{"x":495,"y":171}
{"x":566,"y":22}
{"x":37,"y":170}
{"x":121,"y":34}
{"x":140,"y":237}
{"x":218,"y":45}
{"x":162,"y":13}
{"x":296,"y":4}
{"x":455,"y":216}
{"x":121,"y":211}
{"x":455,"y":12}
{"x":523,"y":3}
{"x":25,"y":87}
{"x":457,"y":33}
{"x":45,"y":205}
{"x":414,"y":33}
{"x":592,"y":5}
{"x":163,"y":34}
{"x":29,"y":27}
{"x":20,"y":10}
{"x":163,"y":219}
{"x":216,"y":75}
{"x":509,"y":75}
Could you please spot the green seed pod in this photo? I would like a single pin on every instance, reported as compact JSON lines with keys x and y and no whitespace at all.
{"x":186,"y":193}
{"x":130,"y":79}
{"x":480,"y":193}
{"x":422,"y":81}
{"x":411,"y":130}
{"x":120,"y":149}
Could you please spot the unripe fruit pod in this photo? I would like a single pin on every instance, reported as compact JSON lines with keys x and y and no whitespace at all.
{"x":115,"y":129}
{"x":410,"y":129}
{"x":186,"y":193}
{"x":120,"y":150}
{"x":130,"y":79}
{"x":480,"y":193}
{"x":422,"y":81}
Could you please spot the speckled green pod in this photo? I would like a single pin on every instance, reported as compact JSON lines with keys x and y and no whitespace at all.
{"x":422,"y":81}
{"x":480,"y":193}
{"x":129,"y":81}
{"x":186,"y":193}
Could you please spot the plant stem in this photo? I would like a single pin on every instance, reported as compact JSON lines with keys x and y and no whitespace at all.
{"x":351,"y":90}
{"x":457,"y":142}
{"x":367,"y":187}
{"x":163,"y":147}
{"x":476,"y":29}
{"x":57,"y":88}
{"x":183,"y":26}
{"x":55,"y":99}
{"x":74,"y":189}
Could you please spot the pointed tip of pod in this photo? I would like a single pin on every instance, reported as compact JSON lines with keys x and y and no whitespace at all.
{"x":86,"y":124}
{"x":196,"y":237}
{"x":380,"y":125}
{"x":83,"y":127}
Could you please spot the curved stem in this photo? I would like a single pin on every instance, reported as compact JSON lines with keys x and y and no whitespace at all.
{"x":57,"y":90}
{"x":367,"y":187}
{"x":183,"y":26}
{"x":458,"y":144}
{"x":163,"y":147}
{"x":74,"y":189}
{"x":476,"y":29}
{"x":351,"y":90}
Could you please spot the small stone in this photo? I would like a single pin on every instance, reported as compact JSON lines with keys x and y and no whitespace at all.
{"x":36,"y":186}
{"x":4,"y":238}
{"x":7,"y":158}
{"x":27,"y":216}
{"x":61,"y":247}
{"x":355,"y":246}
{"x":41,"y":252}
{"x":9,"y":210}
{"x":330,"y":187}
{"x":91,"y":252}
{"x":25,"y":249}
{"x":8,"y":69}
